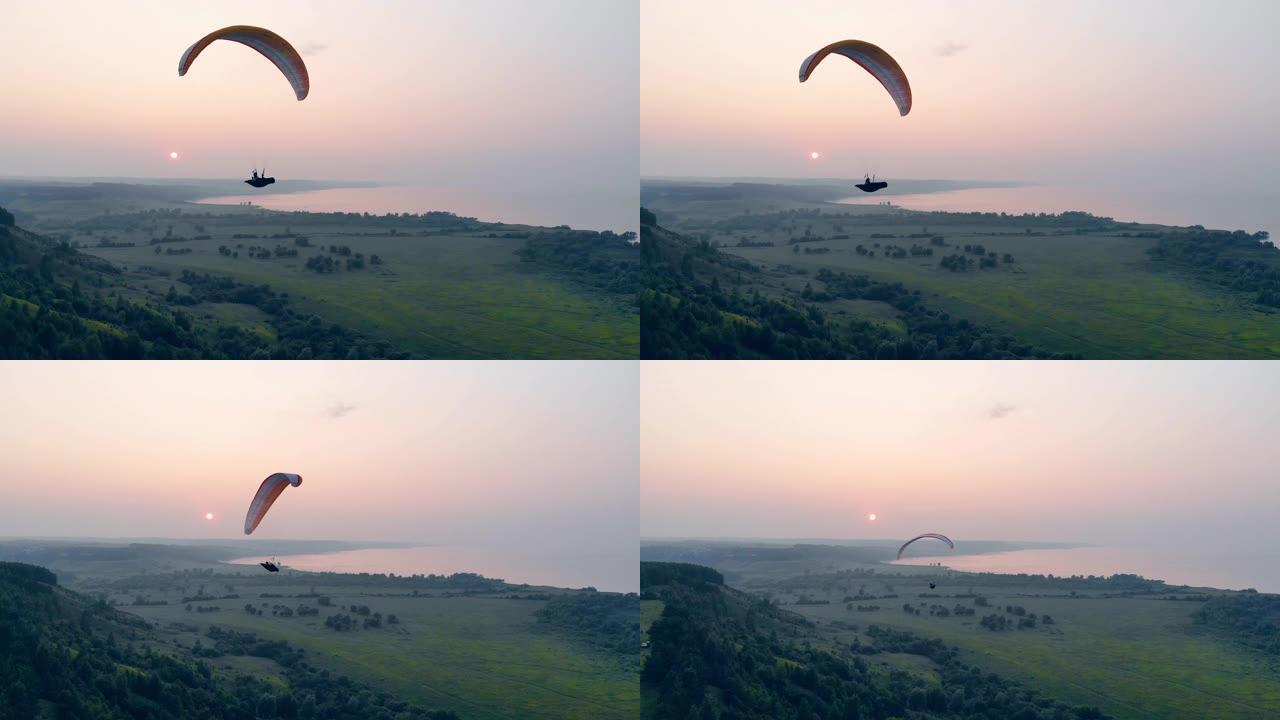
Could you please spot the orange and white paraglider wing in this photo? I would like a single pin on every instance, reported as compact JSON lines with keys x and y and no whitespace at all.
{"x":268,"y":491}
{"x":935,"y":536}
{"x":272,"y":46}
{"x":879,"y":63}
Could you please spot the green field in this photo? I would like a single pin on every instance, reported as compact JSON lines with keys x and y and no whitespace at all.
{"x":482,"y":657}
{"x":1074,"y":287}
{"x":1136,"y":657}
{"x":458,"y":296}
{"x":441,"y":286}
{"x":474,"y":646}
{"x":1090,"y":294}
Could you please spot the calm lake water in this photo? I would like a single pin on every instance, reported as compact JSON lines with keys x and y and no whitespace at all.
{"x":1227,"y":211}
{"x":1234,"y":571}
{"x":582,"y":211}
{"x":618,"y":572}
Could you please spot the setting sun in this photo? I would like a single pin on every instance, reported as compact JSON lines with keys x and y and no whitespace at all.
{"x":173,"y":155}
{"x":872,"y":516}
{"x":813,"y":155}
{"x":208,"y":516}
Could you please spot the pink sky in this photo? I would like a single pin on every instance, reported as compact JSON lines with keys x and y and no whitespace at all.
{"x":541,"y":455}
{"x":1143,"y":91}
{"x":474,"y":93}
{"x":1081,"y":452}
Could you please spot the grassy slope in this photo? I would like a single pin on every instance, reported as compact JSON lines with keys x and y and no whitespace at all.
{"x":485,"y":658}
{"x":459,"y":296}
{"x":1136,"y":658}
{"x":1095,"y":294}
{"x":1091,"y":294}
{"x":650,"y":611}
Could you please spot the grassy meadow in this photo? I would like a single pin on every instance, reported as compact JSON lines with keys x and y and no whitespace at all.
{"x":1136,"y":658}
{"x":453,"y":294}
{"x":468,"y":644}
{"x":1136,"y":654}
{"x":1073,"y":284}
{"x":431,"y":285}
{"x":483,"y":657}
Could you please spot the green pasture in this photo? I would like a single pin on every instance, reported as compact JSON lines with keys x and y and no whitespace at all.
{"x":1137,"y":658}
{"x":487,"y":658}
{"x":1096,"y":294}
{"x":462,"y":295}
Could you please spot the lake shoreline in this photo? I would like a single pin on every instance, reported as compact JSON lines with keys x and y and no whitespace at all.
{"x":606,"y":571}
{"x":1250,"y":212}
{"x":598,"y":211}
{"x":1174,"y":568}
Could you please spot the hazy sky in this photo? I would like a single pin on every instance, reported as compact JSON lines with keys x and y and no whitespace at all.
{"x":1169,"y":453}
{"x":1152,"y":93}
{"x":542,"y":456}
{"x":466,"y":93}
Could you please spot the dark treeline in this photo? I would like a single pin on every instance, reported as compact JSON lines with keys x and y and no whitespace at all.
{"x":605,"y":261}
{"x":46,"y":312}
{"x":1118,"y":585}
{"x":723,"y":554}
{"x":155,"y":220}
{"x":361,"y":617}
{"x":69,"y":657}
{"x":102,"y":191}
{"x":607,"y":620}
{"x":1247,"y":617}
{"x":299,"y":336}
{"x":931,"y":334}
{"x":457,"y":583}
{"x":674,"y":573}
{"x":717,"y":653}
{"x":741,"y":191}
{"x":1239,"y":261}
{"x":693,"y":306}
{"x":685,"y":313}
{"x":803,"y":219}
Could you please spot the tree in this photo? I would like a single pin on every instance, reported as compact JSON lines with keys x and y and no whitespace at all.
{"x":267,"y":706}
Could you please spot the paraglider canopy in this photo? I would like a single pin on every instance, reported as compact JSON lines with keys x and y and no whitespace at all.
{"x":272,"y":46}
{"x":879,"y":63}
{"x":268,"y":491}
{"x":270,"y":566}
{"x":935,"y":536}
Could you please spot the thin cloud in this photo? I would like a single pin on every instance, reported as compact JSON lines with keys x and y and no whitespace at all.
{"x":340,"y":409}
{"x":1000,"y":410}
{"x":313,"y":48}
{"x":951,"y":48}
